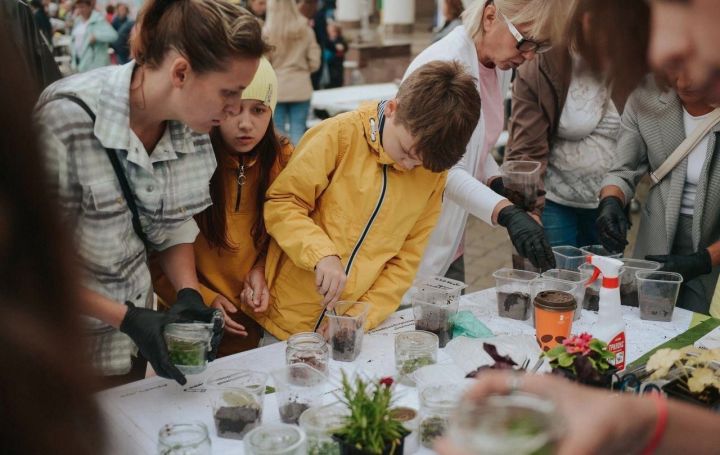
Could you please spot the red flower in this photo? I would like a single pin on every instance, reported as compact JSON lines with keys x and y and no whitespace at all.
{"x":387,"y":381}
{"x":578,"y":344}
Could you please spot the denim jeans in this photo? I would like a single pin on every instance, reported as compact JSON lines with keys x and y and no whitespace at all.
{"x":295,"y":114}
{"x":569,"y":225}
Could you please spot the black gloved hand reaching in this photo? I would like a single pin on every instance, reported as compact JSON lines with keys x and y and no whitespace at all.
{"x":527,"y":236}
{"x":190,"y":307}
{"x":145,"y":327}
{"x":612,"y":224}
{"x":690,"y":266}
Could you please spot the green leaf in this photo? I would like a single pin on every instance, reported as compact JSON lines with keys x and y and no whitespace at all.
{"x":565,"y":360}
{"x":554,"y":352}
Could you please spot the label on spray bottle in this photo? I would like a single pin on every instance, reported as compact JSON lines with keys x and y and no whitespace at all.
{"x":617,"y":347}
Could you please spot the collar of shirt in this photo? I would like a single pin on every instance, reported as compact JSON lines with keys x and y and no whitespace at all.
{"x":370,"y":114}
{"x":112,"y":126}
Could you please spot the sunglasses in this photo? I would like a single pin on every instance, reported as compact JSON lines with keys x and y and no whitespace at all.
{"x":525,"y":44}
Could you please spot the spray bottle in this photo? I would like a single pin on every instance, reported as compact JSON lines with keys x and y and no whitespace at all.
{"x":610,"y":326}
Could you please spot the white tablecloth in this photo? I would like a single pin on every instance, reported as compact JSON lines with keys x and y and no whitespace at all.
{"x":346,"y":99}
{"x":135,"y":412}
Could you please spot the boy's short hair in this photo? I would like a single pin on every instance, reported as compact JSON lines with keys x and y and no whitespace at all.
{"x":439,"y":104}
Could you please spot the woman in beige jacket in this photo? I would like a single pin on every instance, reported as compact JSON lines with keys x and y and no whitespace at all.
{"x":296,"y":56}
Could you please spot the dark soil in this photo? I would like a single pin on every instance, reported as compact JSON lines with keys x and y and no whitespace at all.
{"x":629,"y":294}
{"x":310,"y":360}
{"x":343,"y":345}
{"x":656,"y":309}
{"x":234,"y":422}
{"x":592,"y":300}
{"x":517,"y":196}
{"x":514,"y":305}
{"x":437,"y":321}
{"x":290,"y":412}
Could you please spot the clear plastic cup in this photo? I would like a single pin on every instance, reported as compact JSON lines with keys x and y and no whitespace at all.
{"x":628,"y":283}
{"x":413,"y":350}
{"x":438,"y":288}
{"x":276,"y":439}
{"x":298,"y":387}
{"x":521,"y":180}
{"x":568,"y":257}
{"x":599,"y":250}
{"x":188,"y":345}
{"x":184,"y":439}
{"x":591,"y":301}
{"x":347,"y":327}
{"x":320,"y":424}
{"x":435,"y":304}
{"x":658,"y":293}
{"x":503,"y":424}
{"x":576,"y":279}
{"x":513,"y":293}
{"x":237,"y":401}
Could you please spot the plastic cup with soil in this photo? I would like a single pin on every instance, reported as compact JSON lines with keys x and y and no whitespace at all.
{"x":237,"y":401}
{"x":298,"y":387}
{"x":188,"y":345}
{"x":657,"y":294}
{"x":628,"y":282}
{"x":568,"y":257}
{"x":521,"y":180}
{"x":505,"y":424}
{"x":591,"y":301}
{"x":553,"y":315}
{"x":347,"y":328}
{"x":578,"y":280}
{"x":513,"y":293}
{"x":413,"y":350}
{"x":435,"y":316}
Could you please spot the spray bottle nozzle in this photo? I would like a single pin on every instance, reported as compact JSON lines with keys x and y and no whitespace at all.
{"x":608,"y":267}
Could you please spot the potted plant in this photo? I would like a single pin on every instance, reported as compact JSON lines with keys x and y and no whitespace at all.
{"x":693,"y":374}
{"x":584,"y":359}
{"x":370,"y":427}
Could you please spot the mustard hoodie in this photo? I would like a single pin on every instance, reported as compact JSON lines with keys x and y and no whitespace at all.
{"x":341,"y":194}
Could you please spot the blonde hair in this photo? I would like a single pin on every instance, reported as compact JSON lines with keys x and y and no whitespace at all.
{"x":548,"y":19}
{"x":283,"y":22}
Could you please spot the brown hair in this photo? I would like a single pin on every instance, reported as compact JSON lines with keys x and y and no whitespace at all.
{"x":620,"y":35}
{"x":213,"y":220}
{"x":206,"y":32}
{"x":46,"y":385}
{"x":455,"y":8}
{"x":439,"y":104}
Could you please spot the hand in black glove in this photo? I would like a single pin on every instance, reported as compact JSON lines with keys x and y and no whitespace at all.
{"x":190,"y":307}
{"x":527,"y":236}
{"x":612,"y":224}
{"x":690,"y":266}
{"x":146,"y":327}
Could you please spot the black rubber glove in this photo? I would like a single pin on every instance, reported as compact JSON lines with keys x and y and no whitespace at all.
{"x":146,"y":328}
{"x":527,"y":236}
{"x":189,"y":306}
{"x":690,"y":266}
{"x":612,"y":224}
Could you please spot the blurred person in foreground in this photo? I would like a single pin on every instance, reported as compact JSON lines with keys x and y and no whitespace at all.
{"x":45,"y":401}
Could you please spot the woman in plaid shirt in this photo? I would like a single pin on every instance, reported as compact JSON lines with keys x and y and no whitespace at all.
{"x":192,"y":60}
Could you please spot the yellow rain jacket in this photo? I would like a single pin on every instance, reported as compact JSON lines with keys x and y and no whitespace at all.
{"x":341,"y":194}
{"x":220,"y":271}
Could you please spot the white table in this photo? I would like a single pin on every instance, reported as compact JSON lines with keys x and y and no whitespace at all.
{"x":135,"y":412}
{"x":349,"y":98}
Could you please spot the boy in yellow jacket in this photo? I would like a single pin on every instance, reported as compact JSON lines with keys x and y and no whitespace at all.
{"x":353,"y":210}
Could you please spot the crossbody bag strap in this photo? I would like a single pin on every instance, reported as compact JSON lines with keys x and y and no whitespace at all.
{"x":685,"y":147}
{"x":117,"y":167}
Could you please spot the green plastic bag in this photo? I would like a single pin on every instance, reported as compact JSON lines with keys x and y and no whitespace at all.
{"x":467,"y":325}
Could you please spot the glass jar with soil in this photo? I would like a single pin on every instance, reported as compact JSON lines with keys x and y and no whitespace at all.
{"x":309,"y":348}
{"x":437,"y":403}
{"x":657,"y":294}
{"x":298,"y":387}
{"x":628,"y":282}
{"x":513,"y":293}
{"x":347,"y":328}
{"x":276,"y":439}
{"x":319,"y":425}
{"x":505,"y":424}
{"x":188,"y":345}
{"x":237,"y":401}
{"x":414,"y":350}
{"x":184,"y":439}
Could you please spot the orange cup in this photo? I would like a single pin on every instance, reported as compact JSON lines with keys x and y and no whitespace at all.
{"x":554,"y":311}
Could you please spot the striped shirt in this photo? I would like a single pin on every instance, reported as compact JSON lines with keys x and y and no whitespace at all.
{"x":170,"y":186}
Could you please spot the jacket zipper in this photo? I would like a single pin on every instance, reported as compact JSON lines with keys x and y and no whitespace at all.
{"x":241,"y":179}
{"x":361,"y":239}
{"x":370,"y":222}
